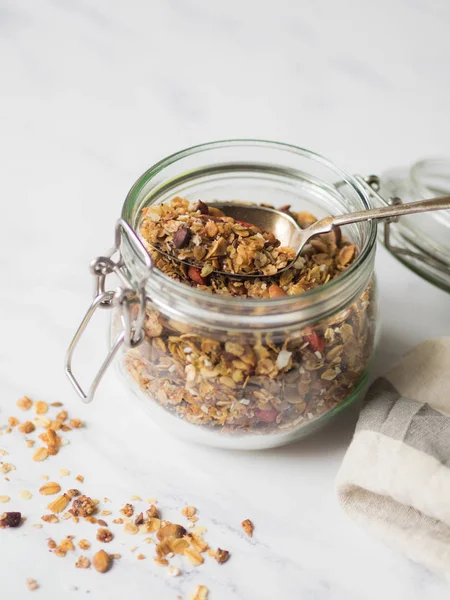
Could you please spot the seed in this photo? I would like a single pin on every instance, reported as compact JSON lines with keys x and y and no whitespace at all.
{"x":50,"y":488}
{"x":101,"y":561}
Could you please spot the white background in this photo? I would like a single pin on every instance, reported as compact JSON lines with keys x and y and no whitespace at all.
{"x":91,"y":94}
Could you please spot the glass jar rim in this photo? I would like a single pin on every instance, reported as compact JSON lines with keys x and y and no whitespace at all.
{"x":216,"y":301}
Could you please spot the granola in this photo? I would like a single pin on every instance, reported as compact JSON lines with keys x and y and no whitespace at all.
{"x":251,"y":382}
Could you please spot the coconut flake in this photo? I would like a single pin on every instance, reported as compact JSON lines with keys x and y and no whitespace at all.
{"x":283,"y":359}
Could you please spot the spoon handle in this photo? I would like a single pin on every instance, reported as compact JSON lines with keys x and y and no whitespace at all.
{"x":392,"y":211}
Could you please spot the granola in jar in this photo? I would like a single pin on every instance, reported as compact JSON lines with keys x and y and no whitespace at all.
{"x":256,"y":381}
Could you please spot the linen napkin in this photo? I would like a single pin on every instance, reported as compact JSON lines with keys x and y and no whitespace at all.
{"x":395,"y":477}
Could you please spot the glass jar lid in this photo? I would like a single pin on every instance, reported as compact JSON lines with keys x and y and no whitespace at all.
{"x":422,"y":242}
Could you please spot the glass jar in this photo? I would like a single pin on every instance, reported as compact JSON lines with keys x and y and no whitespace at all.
{"x":237,"y":372}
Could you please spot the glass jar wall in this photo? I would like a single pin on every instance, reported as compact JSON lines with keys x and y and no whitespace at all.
{"x":252,"y":373}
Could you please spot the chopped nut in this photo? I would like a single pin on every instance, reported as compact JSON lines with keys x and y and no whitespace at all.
{"x":24,"y":403}
{"x":61,"y":416}
{"x":171,"y":530}
{"x":82,"y":507}
{"x":83,"y":562}
{"x":80,"y":478}
{"x":221,"y":556}
{"x":102,"y":523}
{"x":13,"y":422}
{"x":40,"y":454}
{"x":51,"y":544}
{"x":76,"y":423}
{"x":32,"y":584}
{"x":127,"y":510}
{"x":59,"y":504}
{"x":66,"y":545}
{"x":152,"y":512}
{"x":84,"y":544}
{"x":104,"y":535}
{"x":26,"y":427}
{"x":50,"y":488}
{"x":139,"y":519}
{"x":101,"y":561}
{"x":248,"y":527}
{"x":118,"y":521}
{"x":50,"y":518}
{"x":41,"y":407}
{"x":200,"y":593}
{"x":188,"y":511}
{"x":73,"y":493}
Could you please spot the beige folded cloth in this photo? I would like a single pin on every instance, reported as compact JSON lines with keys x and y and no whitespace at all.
{"x":395,"y":477}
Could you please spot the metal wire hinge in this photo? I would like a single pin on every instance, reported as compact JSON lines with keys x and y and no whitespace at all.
{"x":372,"y":184}
{"x":125,"y":298}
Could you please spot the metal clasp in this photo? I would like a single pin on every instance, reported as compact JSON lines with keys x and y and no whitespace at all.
{"x":124,"y":297}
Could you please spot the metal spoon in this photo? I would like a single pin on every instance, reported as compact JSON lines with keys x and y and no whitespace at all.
{"x":290,"y":234}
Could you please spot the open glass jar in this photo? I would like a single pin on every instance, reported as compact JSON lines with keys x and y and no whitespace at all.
{"x":230,"y":371}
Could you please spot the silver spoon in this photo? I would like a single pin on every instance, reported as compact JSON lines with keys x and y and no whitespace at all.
{"x":290,"y":234}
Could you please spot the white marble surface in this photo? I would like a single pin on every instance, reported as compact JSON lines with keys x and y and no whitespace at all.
{"x":91,"y":94}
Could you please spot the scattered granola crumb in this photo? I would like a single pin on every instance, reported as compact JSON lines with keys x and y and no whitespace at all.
{"x":76,"y":423}
{"x":248,"y":527}
{"x":50,"y":518}
{"x":41,"y":407}
{"x":101,"y":561}
{"x":4,"y":499}
{"x":13,"y":422}
{"x":59,"y":504}
{"x":136,"y":498}
{"x":80,"y":478}
{"x":131,"y":528}
{"x":50,"y":488}
{"x":104,"y":535}
{"x":118,"y":521}
{"x":173,"y":571}
{"x":26,"y":427}
{"x":152,"y":501}
{"x":51,"y":543}
{"x":25,"y":494}
{"x":24,"y":403}
{"x":83,"y":562}
{"x":32,"y":584}
{"x":140,"y":557}
{"x":188,"y":511}
{"x":200,"y":593}
{"x":40,"y":454}
{"x":64,"y":472}
{"x":152,"y":512}
{"x":127,"y":510}
{"x":133,"y":549}
{"x":221,"y":556}
{"x":37,"y":525}
{"x":82,"y":507}
{"x":10,"y":519}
